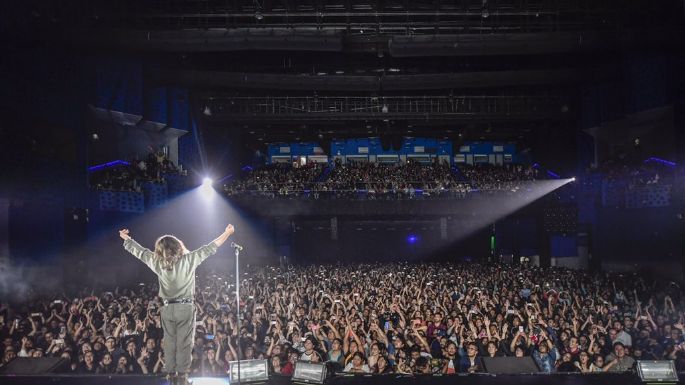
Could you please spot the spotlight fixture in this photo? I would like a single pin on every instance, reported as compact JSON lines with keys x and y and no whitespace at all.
{"x":207,"y":181}
{"x":207,"y":111}
{"x":258,"y":15}
{"x":573,"y":179}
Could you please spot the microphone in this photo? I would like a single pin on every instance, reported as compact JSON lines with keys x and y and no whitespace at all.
{"x":236,"y":246}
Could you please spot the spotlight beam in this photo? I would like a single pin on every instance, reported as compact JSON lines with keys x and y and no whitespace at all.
{"x":490,"y":209}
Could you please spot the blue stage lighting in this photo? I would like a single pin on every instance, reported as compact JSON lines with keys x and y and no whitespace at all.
{"x":412,"y":239}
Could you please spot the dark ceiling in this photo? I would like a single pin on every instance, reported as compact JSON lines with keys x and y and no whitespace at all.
{"x":282,"y":70}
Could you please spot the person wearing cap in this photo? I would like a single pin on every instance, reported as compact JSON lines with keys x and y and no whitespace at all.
{"x":175,"y":268}
{"x":112,"y":348}
{"x":618,"y":361}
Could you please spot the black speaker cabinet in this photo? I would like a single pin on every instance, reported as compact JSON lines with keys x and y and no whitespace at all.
{"x":510,"y":365}
{"x":42,"y":365}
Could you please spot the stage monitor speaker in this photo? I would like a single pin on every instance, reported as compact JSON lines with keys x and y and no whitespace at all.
{"x":250,"y":371}
{"x":309,"y":373}
{"x":510,"y":365}
{"x":657,"y":371}
{"x":42,"y":365}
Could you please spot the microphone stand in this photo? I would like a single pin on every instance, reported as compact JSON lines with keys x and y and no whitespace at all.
{"x":237,"y":301}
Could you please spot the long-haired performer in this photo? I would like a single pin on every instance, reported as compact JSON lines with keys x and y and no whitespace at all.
{"x":175,"y":267}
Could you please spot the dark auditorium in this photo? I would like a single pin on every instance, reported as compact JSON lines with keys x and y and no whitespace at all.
{"x":342,"y":192}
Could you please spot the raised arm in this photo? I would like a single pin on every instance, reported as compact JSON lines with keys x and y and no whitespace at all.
{"x":512,"y":346}
{"x":136,"y":249}
{"x":198,"y":256}
{"x":224,"y":236}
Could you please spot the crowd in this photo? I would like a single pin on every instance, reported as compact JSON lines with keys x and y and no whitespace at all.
{"x":373,"y":318}
{"x":386,"y":178}
{"x":130,"y":176}
{"x":498,"y":178}
{"x":631,"y":175}
{"x":372,"y":179}
{"x":280,"y":179}
{"x":649,"y":183}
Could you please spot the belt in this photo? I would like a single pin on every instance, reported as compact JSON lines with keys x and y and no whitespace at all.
{"x":176,"y":300}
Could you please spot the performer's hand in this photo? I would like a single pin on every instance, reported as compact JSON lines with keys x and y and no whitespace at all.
{"x":224,"y":236}
{"x":124,"y":234}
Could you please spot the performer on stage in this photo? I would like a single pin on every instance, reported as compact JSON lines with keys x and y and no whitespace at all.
{"x":175,"y":267}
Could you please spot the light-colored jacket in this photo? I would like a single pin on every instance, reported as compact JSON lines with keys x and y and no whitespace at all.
{"x":179,"y":282}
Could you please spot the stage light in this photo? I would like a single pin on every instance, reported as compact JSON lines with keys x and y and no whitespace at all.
{"x":209,"y":381}
{"x":206,"y":190}
{"x":412,"y":239}
{"x":657,"y":371}
{"x":573,"y":179}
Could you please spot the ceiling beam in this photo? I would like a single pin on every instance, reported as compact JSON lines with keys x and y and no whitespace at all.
{"x":307,"y":82}
{"x":340,"y":39}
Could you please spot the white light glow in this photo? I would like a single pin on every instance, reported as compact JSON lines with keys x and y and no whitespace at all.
{"x":206,"y":189}
{"x":209,"y":381}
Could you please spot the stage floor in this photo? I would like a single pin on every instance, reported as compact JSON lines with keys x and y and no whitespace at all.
{"x":472,"y":379}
